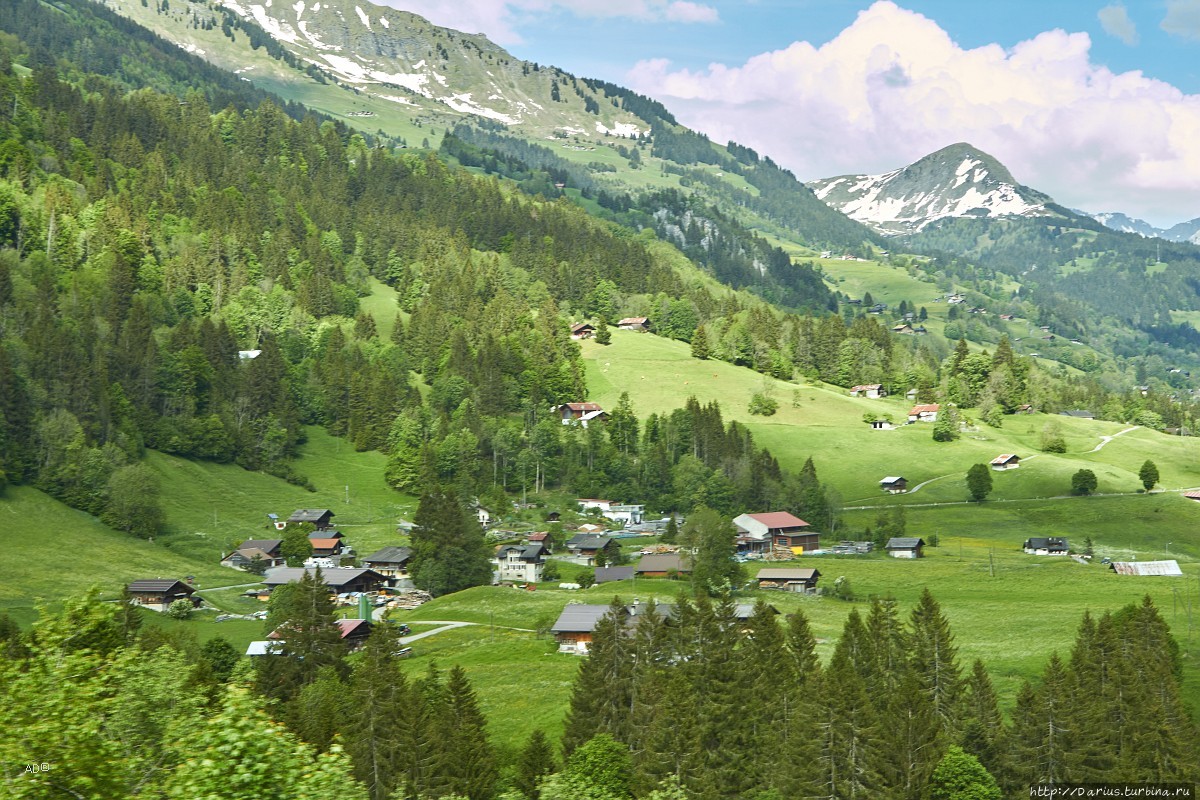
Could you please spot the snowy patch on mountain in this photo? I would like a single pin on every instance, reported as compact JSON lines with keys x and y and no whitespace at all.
{"x":464,"y":104}
{"x":404,"y":101}
{"x":620,"y":129}
{"x":362,"y":15}
{"x":384,"y":22}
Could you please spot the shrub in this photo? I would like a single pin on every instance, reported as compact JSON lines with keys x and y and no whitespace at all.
{"x":180,"y":609}
{"x":763,"y":406}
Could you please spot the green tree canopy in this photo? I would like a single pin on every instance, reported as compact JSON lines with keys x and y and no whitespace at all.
{"x":1148,"y":475}
{"x":979,"y":482}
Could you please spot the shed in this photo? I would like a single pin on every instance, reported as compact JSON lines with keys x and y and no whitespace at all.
{"x":610,"y":574}
{"x":1006,"y":461}
{"x":791,"y":580}
{"x":894,"y":484}
{"x":905,"y":547}
{"x":317,"y":516}
{"x":1170,"y":567}
{"x":660,"y":565}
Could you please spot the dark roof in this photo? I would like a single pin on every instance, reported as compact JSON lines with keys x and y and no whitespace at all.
{"x":904,"y":543}
{"x":771,"y":574}
{"x":582,"y":617}
{"x":663,"y":562}
{"x":588,"y":541}
{"x":609,"y":574}
{"x":309,"y":514}
{"x":160,"y":586}
{"x":267,"y":545}
{"x":1080,"y":414}
{"x":1046,"y":543}
{"x":389,"y":555}
{"x":334,"y":578}
{"x":529,"y":552}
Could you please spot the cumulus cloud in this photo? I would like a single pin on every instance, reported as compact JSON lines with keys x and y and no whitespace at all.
{"x":1116,"y":22}
{"x":501,"y":20}
{"x":1183,"y":18}
{"x":894,"y":86}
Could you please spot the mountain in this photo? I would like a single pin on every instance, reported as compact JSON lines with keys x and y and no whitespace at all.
{"x":954,"y":182}
{"x":1183,"y":232}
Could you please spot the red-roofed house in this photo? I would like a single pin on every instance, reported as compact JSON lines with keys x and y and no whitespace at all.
{"x":923,"y":413}
{"x":582,"y":330}
{"x":583,"y":413}
{"x":634,"y":324}
{"x":1192,"y":495}
{"x":1006,"y":461}
{"x":761,"y":533}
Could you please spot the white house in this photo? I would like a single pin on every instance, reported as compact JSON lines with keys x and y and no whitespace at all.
{"x":924,"y":413}
{"x":520,"y":563}
{"x":874,"y":391}
{"x":1006,"y":461}
{"x":625,"y":514}
{"x":588,"y":503}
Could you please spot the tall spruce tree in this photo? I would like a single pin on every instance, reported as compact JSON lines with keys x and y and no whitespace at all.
{"x":535,"y":762}
{"x":934,"y":659}
{"x":983,"y":731}
{"x":602,"y":695}
{"x":304,"y":621}
{"x":449,"y":551}
{"x":379,"y":703}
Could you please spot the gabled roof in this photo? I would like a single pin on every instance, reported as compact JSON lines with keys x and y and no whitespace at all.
{"x":250,"y":553}
{"x":582,"y":326}
{"x":539,"y":536}
{"x":325,"y":544}
{"x":609,"y":574}
{"x":1046,"y":543}
{"x":1192,"y":495}
{"x":780,"y":574}
{"x":1146,"y":567}
{"x":350,"y":628}
{"x":328,"y":533}
{"x":927,"y":408}
{"x":309,"y":514}
{"x":582,"y":617}
{"x":160,"y":586}
{"x":266,"y":545}
{"x":634,"y":321}
{"x":1006,"y":458}
{"x":334,"y":578}
{"x":389,"y":555}
{"x":892,"y":479}
{"x":663,"y":562}
{"x":904,"y":543}
{"x":588,"y":541}
{"x":779,"y":519}
{"x":866,"y":387}
{"x":582,"y":406}
{"x":526,"y":552}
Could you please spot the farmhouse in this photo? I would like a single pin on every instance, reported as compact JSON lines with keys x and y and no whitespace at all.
{"x":903,"y":328}
{"x":610,"y":574}
{"x":662,"y":565}
{"x":266,"y":550}
{"x":391,"y":561}
{"x":1168,"y":568}
{"x":1046,"y":546}
{"x":157,"y":594}
{"x":317,"y":516}
{"x":904,"y":547}
{"x":761,"y":533}
{"x":894,"y":484}
{"x":520,"y":563}
{"x":583,"y":330}
{"x":338,"y":580}
{"x":582,"y":413}
{"x":586,"y":545}
{"x":634,"y":324}
{"x":923,"y":413}
{"x":327,"y":546}
{"x":1006,"y":461}
{"x":873,"y":391}
{"x":790,"y":580}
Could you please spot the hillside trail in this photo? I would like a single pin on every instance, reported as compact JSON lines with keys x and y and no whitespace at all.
{"x":1106,"y":439}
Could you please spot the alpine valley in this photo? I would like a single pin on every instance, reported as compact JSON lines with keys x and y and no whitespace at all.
{"x":518,"y":368}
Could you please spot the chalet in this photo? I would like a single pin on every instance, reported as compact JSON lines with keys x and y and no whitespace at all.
{"x":326,"y":546}
{"x":904,"y":547}
{"x":761,"y":533}
{"x":662,"y":565}
{"x":610,"y":574}
{"x":955,"y":299}
{"x":575,"y":625}
{"x":894,"y":484}
{"x":1006,"y":461}
{"x":873,"y":391}
{"x":789,"y":580}
{"x":1166,"y":568}
{"x":581,"y":413}
{"x":1078,"y":414}
{"x":391,"y":561}
{"x":266,"y":550}
{"x":878,"y":308}
{"x":585,"y":546}
{"x":583,"y":330}
{"x":317,"y":516}
{"x":520,"y":563}
{"x":158,"y":594}
{"x":923,"y":413}
{"x":339,"y":581}
{"x":354,"y":633}
{"x":1025,"y":408}
{"x":634,"y":324}
{"x":903,"y":328}
{"x":1046,"y":546}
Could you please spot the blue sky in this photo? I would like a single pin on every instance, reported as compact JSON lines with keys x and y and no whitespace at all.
{"x":1097,"y":103}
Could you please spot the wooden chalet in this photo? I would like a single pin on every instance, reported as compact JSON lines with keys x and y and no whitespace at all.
{"x":326,"y":546}
{"x":924,"y":413}
{"x":583,"y":330}
{"x":634,"y":324}
{"x":1046,"y":546}
{"x":580,"y":413}
{"x":803,"y":581}
{"x":390,"y":561}
{"x":872,"y":391}
{"x":762,"y":533}
{"x":320,"y":517}
{"x":585,"y":546}
{"x":894,"y":484}
{"x":905,"y":547}
{"x":265,"y":550}
{"x":1006,"y":461}
{"x":662,"y":565}
{"x":158,"y":593}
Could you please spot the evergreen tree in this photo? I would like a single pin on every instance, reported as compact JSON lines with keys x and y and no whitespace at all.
{"x":304,"y":621}
{"x":449,"y":551}
{"x":983,"y":732}
{"x":603,"y":334}
{"x":671,"y":534}
{"x":712,"y":541}
{"x":602,"y":694}
{"x":700,"y":346}
{"x":534,"y":764}
{"x":960,"y":776}
{"x":934,"y":659}
{"x":379,"y":707}
{"x":470,"y":761}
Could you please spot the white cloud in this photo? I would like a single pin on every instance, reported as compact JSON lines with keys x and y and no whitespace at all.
{"x":501,"y":20}
{"x":1116,"y":22}
{"x":894,"y":86}
{"x":1183,"y":18}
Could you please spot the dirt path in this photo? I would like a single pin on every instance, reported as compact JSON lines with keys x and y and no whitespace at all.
{"x":1106,"y":439}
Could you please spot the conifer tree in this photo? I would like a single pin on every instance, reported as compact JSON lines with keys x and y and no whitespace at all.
{"x":378,"y":705}
{"x":449,"y":551}
{"x":886,"y":645}
{"x":601,"y":698}
{"x":470,"y":761}
{"x":700,"y":346}
{"x":1043,"y":725}
{"x":983,"y":733}
{"x":535,"y":763}
{"x":772,"y":691}
{"x":934,"y":659}
{"x":303,"y":619}
{"x":603,"y":334}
